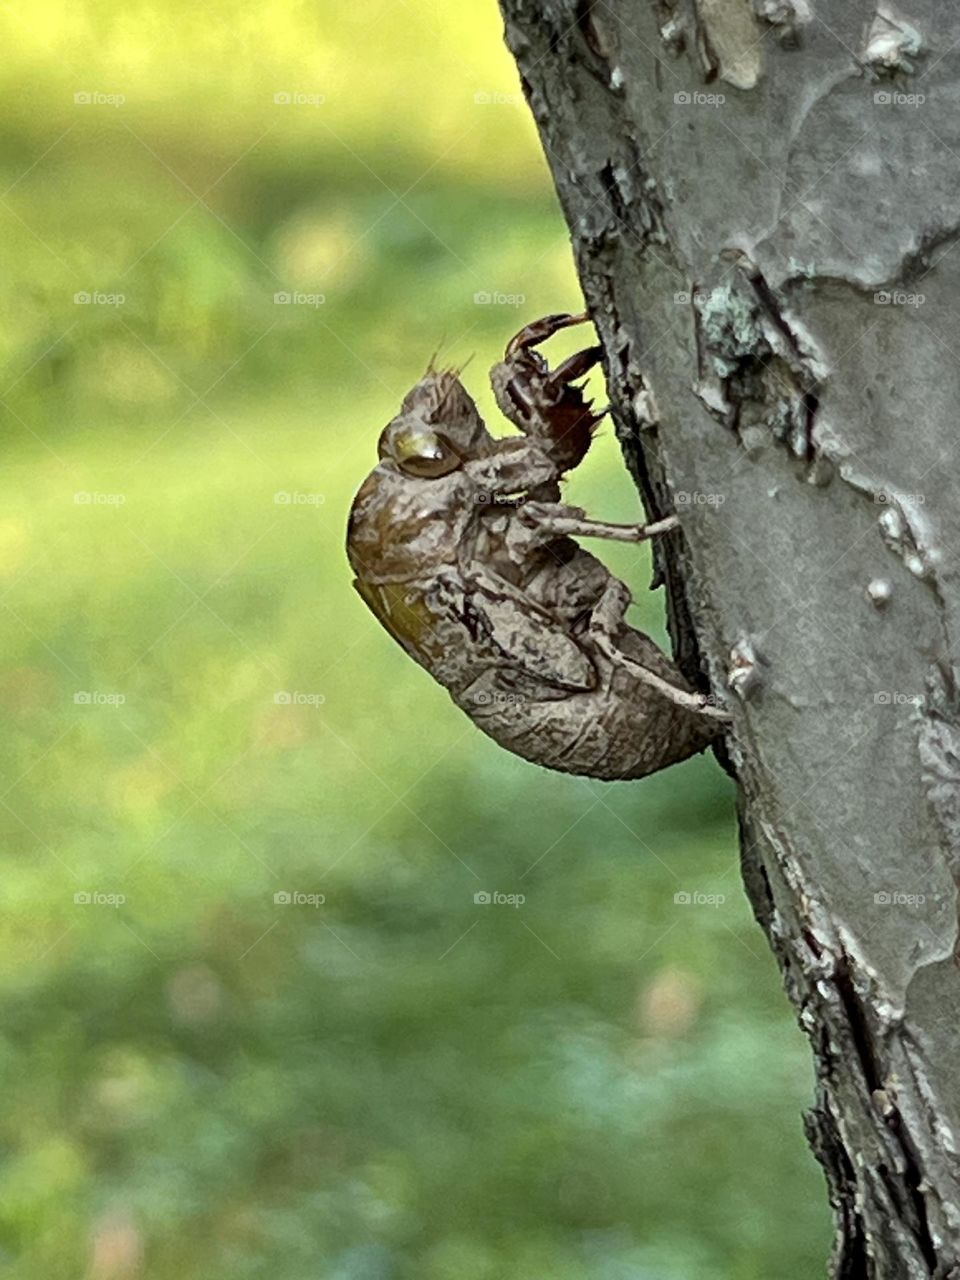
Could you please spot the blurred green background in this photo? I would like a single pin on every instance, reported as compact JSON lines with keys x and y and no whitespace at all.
{"x":200,"y":1081}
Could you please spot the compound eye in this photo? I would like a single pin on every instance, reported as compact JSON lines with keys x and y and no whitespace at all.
{"x":430,"y":466}
{"x":425,"y":455}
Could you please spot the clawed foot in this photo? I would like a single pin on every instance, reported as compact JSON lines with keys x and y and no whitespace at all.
{"x":547,"y":404}
{"x":531,"y":335}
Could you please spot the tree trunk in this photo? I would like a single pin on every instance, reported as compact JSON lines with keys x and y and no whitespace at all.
{"x":764,"y":207}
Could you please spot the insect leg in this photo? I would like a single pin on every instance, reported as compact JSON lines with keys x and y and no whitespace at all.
{"x":606,"y":622}
{"x":540,"y":330}
{"x":576,"y":366}
{"x":561,"y":521}
{"x":515,"y":467}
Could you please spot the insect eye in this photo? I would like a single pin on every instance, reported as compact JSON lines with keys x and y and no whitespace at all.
{"x":431,"y":467}
{"x":425,"y":455}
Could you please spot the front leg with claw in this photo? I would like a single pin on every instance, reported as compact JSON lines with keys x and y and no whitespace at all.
{"x":546,"y":404}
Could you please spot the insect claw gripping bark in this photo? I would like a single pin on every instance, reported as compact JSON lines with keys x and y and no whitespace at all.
{"x":544,"y":402}
{"x":465,"y":553}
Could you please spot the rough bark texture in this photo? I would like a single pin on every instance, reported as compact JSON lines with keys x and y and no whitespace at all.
{"x":777,"y":286}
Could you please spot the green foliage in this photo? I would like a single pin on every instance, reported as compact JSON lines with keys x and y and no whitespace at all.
{"x":200,"y":1081}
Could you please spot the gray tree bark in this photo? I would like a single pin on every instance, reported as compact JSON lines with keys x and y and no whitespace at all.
{"x":764,"y":201}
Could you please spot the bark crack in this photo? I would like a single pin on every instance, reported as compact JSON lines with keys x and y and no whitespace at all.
{"x":753,"y":374}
